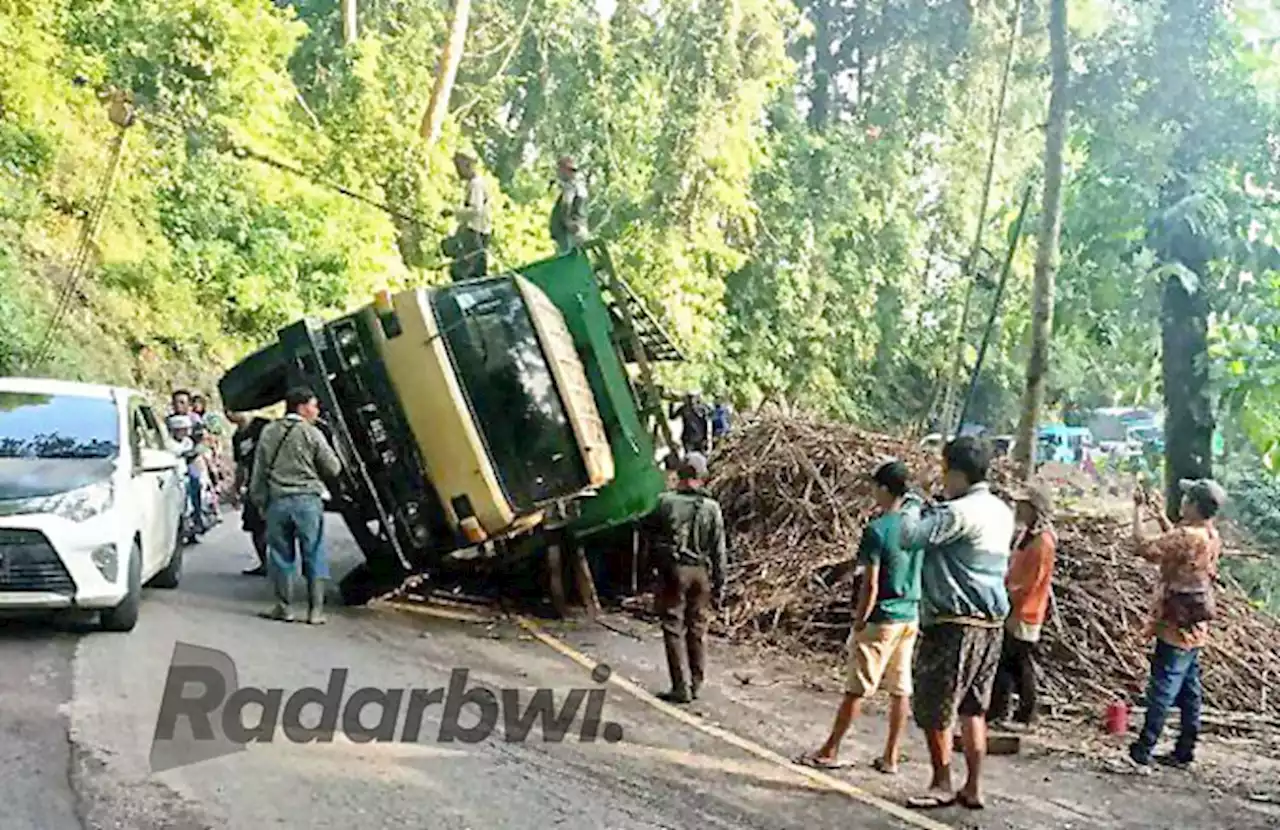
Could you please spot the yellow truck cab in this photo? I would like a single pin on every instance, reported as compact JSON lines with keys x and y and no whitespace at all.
{"x":497,"y":400}
{"x":462,"y":413}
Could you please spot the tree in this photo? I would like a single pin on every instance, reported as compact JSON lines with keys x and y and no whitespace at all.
{"x":446,"y":72}
{"x":1047,"y":244}
{"x":350,"y":25}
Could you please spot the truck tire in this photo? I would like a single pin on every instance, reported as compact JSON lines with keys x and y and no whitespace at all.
{"x":125,"y":615}
{"x":365,"y":583}
{"x":256,"y":382}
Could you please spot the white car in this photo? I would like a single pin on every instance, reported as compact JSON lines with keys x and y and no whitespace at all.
{"x":91,"y":500}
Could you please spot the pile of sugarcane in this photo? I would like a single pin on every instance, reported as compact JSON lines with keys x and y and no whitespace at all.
{"x":796,"y":495}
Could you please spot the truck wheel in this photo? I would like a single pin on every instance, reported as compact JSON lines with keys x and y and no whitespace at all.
{"x":366,"y":583}
{"x":358,"y":587}
{"x":125,"y":615}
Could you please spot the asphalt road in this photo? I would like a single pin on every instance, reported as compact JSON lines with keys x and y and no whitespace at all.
{"x":78,"y":710}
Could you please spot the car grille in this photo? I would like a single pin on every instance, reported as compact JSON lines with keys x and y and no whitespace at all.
{"x":29,"y":563}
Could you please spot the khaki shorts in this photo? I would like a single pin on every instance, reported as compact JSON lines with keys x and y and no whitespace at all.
{"x":880,"y":654}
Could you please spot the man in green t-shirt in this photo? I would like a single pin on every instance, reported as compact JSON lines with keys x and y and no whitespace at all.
{"x":885,"y":624}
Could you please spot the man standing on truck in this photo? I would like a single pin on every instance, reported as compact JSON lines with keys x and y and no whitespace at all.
{"x":292,"y":465}
{"x":469,"y":245}
{"x":569,"y":215}
{"x":688,"y":544}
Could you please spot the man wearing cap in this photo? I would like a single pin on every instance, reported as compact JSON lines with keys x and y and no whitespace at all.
{"x":884,"y":624}
{"x":688,"y":543}
{"x":1028,"y":582}
{"x":569,"y":214}
{"x":469,"y":245}
{"x":1184,"y":605}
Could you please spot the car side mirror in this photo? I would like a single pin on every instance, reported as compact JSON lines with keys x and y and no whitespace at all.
{"x":157,"y":461}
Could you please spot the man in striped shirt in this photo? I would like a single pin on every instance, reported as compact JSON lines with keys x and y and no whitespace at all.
{"x":966,"y":542}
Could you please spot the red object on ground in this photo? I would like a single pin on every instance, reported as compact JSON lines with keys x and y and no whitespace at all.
{"x":1117,"y":718}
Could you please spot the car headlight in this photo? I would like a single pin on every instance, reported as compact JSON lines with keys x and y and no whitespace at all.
{"x":77,"y":505}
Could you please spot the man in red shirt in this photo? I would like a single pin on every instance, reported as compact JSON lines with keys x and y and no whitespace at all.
{"x":1029,"y":581}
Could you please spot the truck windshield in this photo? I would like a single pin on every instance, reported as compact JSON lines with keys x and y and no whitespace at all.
{"x":511,"y":390}
{"x":57,"y":426}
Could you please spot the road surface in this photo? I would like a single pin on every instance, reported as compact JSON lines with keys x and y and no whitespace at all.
{"x":80,"y":709}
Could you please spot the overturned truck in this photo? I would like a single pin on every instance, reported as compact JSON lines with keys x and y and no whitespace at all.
{"x":475,"y":414}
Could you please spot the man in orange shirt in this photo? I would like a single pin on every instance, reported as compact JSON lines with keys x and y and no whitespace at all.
{"x":1028,"y":582}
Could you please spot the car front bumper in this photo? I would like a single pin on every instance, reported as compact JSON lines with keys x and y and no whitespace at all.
{"x":43,"y":538}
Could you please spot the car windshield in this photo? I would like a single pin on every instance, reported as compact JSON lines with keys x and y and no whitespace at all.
{"x":57,"y":426}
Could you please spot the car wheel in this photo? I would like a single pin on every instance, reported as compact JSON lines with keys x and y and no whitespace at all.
{"x":172,"y":573}
{"x":125,"y":615}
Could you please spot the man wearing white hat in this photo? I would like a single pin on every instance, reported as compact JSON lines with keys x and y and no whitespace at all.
{"x":470,"y":243}
{"x":569,"y":216}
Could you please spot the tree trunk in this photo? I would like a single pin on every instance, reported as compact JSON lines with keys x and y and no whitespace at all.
{"x":949,"y":394}
{"x":1185,"y":361}
{"x":349,"y":29}
{"x":820,"y":94}
{"x":1047,"y":245}
{"x":450,"y":57}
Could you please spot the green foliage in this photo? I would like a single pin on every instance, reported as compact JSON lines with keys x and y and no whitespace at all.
{"x":793,"y":185}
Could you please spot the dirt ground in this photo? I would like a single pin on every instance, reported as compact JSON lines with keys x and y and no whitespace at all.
{"x":1062,"y":778}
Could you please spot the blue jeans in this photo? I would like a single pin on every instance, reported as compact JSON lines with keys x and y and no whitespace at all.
{"x":295,"y":529}
{"x":195,"y":502}
{"x":1175,"y":681}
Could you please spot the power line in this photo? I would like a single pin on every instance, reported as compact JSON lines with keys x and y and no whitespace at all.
{"x":226,"y":144}
{"x":79,"y":263}
{"x":123,"y":115}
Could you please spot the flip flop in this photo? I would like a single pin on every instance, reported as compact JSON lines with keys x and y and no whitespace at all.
{"x":968,"y":803}
{"x":930,"y":802}
{"x":881,"y":767}
{"x":818,"y":763}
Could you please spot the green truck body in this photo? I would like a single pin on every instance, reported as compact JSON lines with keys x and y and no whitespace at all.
{"x":574,"y":285}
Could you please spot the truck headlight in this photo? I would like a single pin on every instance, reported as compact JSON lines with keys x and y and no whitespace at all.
{"x":76,"y":505}
{"x":107,"y":561}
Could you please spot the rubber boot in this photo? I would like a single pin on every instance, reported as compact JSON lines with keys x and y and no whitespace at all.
{"x":697,"y":661}
{"x":282,"y":585}
{"x":675,"y":666}
{"x":315,"y":600}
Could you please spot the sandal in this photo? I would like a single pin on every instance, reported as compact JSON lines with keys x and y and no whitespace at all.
{"x":969,"y":803}
{"x":812,"y":760}
{"x":880,"y":766}
{"x":932,"y":801}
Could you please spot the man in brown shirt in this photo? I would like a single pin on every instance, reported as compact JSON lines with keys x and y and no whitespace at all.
{"x":1181,"y":611}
